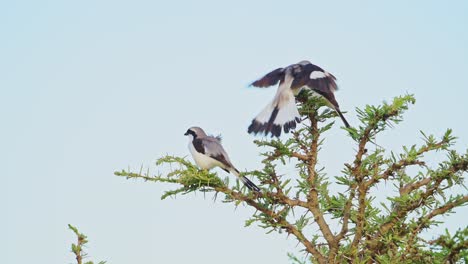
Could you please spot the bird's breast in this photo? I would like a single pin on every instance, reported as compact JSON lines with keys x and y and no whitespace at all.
{"x":203,"y":161}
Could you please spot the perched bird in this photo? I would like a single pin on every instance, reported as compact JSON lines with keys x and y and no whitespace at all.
{"x":208,"y":153}
{"x":282,"y":113}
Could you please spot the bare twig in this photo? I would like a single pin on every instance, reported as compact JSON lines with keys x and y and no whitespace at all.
{"x":312,"y":199}
{"x":276,"y":219}
{"x":423,"y":220}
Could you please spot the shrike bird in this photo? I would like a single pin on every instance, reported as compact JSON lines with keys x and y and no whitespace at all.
{"x":208,"y":153}
{"x":282,"y":112}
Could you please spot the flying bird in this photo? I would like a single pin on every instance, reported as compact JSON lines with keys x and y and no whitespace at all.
{"x":208,"y":153}
{"x":281,"y":113}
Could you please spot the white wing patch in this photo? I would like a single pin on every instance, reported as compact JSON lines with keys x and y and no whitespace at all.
{"x":317,"y":75}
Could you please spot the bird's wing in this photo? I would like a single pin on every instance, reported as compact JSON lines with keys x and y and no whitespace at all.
{"x":198,"y":144}
{"x":213,"y":149}
{"x":269,"y":79}
{"x":218,"y":137}
{"x":314,"y":77}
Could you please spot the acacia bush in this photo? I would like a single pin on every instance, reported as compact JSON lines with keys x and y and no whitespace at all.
{"x":354,"y":227}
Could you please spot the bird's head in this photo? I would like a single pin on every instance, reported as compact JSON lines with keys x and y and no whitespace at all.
{"x":195,"y":132}
{"x":304,"y":62}
{"x":298,"y":67}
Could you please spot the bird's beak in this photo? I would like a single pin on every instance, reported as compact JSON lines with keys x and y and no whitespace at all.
{"x":186,"y":134}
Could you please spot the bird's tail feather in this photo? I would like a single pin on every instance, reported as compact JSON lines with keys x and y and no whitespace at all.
{"x":250,"y":184}
{"x":280,"y":114}
{"x":342,"y":117}
{"x":246,"y":181}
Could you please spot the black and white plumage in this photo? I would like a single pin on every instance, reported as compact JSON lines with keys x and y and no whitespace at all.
{"x":208,"y":152}
{"x":281,"y":113}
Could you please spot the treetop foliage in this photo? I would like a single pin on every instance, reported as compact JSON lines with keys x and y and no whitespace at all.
{"x":77,"y":249}
{"x":353,"y":226}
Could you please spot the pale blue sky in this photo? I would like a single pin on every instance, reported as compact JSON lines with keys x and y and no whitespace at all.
{"x":90,"y":87}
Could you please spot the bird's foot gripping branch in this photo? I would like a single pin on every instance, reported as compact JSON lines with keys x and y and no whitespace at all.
{"x":350,"y":226}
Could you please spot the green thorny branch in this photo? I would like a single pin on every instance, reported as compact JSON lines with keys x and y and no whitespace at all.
{"x":367,"y":231}
{"x":77,"y":248}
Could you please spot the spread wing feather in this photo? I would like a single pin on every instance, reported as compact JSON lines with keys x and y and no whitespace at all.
{"x":270,"y":79}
